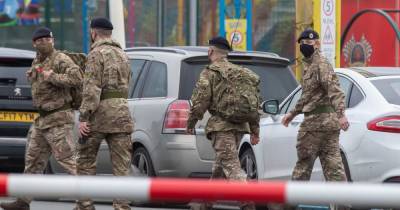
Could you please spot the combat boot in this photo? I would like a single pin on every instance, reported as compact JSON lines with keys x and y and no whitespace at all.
{"x":16,"y":205}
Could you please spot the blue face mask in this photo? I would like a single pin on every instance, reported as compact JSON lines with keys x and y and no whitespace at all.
{"x":307,"y":50}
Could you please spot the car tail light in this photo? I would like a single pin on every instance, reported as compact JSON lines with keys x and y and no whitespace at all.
{"x":176,"y":118}
{"x":385,"y":124}
{"x":395,"y":179}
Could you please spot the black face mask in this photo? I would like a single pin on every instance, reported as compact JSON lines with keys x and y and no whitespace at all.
{"x":307,"y":50}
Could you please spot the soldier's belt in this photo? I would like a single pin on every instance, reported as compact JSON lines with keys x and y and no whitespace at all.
{"x":320,"y":110}
{"x":44,"y":113}
{"x":113,"y":94}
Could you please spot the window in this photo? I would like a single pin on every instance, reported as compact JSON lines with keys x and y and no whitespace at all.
{"x":294,"y":100}
{"x":156,"y":81}
{"x":136,"y":69}
{"x":345,"y":85}
{"x":389,"y":88}
{"x":355,"y":97}
{"x":277,"y":81}
{"x":284,"y":107}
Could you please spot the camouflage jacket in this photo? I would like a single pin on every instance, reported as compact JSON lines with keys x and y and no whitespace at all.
{"x":54,"y":93}
{"x":320,"y":87}
{"x":107,"y":70}
{"x":204,"y":100}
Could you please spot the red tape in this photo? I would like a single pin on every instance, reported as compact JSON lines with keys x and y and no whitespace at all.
{"x":3,"y":185}
{"x":204,"y":190}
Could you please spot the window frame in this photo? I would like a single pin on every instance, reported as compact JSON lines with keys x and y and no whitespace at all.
{"x":354,"y":84}
{"x":141,"y":77}
{"x":146,"y":76}
{"x":141,"y":71}
{"x":289,"y":100}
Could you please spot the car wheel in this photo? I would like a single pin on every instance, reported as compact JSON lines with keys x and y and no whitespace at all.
{"x":141,"y":162}
{"x":248,"y":163}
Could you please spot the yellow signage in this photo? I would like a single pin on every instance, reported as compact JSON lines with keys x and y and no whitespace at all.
{"x":6,"y":116}
{"x":236,"y":33}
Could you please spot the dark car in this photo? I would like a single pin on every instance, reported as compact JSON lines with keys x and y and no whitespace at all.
{"x":16,"y":110}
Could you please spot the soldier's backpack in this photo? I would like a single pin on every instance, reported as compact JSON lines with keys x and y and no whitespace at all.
{"x":76,"y":92}
{"x":238,"y":96}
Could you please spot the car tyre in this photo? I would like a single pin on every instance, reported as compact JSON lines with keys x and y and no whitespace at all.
{"x":142,"y":163}
{"x":248,"y":163}
{"x":346,"y":167}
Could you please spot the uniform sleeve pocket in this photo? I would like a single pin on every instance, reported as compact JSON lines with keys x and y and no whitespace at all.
{"x":113,"y":73}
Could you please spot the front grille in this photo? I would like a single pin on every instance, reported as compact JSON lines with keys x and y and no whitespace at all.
{"x":16,"y":98}
{"x":14,"y":129}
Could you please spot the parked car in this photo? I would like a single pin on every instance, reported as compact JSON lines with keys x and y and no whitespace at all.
{"x":16,"y":110}
{"x":370,"y":148}
{"x":162,"y":84}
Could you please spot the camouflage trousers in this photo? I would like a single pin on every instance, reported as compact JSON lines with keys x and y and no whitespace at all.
{"x":227,"y":164}
{"x":41,"y":143}
{"x":322,"y":144}
{"x":120,"y":146}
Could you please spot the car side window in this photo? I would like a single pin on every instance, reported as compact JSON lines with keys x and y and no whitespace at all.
{"x":294,"y":100}
{"x":156,"y":81}
{"x":136,"y":69}
{"x":345,"y":85}
{"x":355,"y":96}
{"x":285,"y":106}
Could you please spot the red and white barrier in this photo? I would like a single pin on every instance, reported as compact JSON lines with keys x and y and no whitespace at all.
{"x":186,"y":190}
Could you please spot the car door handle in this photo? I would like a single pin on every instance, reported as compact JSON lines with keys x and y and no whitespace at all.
{"x":200,"y":131}
{"x":295,"y":122}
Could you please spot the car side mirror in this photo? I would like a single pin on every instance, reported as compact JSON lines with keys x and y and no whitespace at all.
{"x":271,"y":107}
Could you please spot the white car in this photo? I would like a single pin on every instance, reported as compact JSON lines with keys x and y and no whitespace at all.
{"x":370,"y":148}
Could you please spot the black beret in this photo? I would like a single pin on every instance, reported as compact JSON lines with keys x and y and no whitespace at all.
{"x":102,"y":23}
{"x":221,"y":43}
{"x":308,"y":34}
{"x":41,"y":32}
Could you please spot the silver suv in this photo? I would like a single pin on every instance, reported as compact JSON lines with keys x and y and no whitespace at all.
{"x":162,"y":84}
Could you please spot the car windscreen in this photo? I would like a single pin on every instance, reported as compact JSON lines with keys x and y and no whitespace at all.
{"x":277,"y":81}
{"x":12,"y":71}
{"x":389,"y":88}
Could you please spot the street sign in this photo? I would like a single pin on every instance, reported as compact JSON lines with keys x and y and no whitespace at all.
{"x":236,"y":33}
{"x":328,"y":25}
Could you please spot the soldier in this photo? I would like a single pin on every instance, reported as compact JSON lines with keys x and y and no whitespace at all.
{"x":323,"y":104}
{"x":104,"y":112}
{"x":224,"y":134}
{"x":52,"y":75}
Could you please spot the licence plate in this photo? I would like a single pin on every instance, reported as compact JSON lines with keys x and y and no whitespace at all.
{"x":6,"y":116}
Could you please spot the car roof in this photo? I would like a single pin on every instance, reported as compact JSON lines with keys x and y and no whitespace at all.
{"x":371,"y":72}
{"x":193,"y":51}
{"x":16,"y":53}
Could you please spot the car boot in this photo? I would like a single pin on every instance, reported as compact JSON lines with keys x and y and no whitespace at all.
{"x":16,"y":205}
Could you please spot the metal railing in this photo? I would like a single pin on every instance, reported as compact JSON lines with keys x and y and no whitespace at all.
{"x":186,"y":190}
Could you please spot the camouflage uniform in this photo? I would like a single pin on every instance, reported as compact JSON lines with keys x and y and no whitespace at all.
{"x":322,"y":103}
{"x":105,"y":109}
{"x":52,"y":131}
{"x":225,"y":135}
